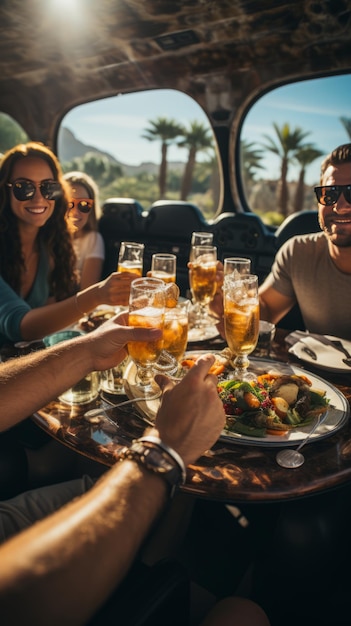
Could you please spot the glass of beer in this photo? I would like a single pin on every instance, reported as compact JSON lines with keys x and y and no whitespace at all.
{"x":163,"y":266}
{"x":202,"y":276}
{"x":200,"y":239}
{"x":239,"y":266}
{"x":241,"y":321}
{"x":146,"y":309}
{"x":175,"y":332}
{"x":130,"y":258}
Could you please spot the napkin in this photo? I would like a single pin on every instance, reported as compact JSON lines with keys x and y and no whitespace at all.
{"x":326,"y":356}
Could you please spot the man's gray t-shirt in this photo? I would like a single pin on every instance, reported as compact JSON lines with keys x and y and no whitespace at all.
{"x":303,"y":270}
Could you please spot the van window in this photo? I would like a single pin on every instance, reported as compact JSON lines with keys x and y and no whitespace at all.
{"x":283,"y":140}
{"x":125,"y":141}
{"x":11,"y":133}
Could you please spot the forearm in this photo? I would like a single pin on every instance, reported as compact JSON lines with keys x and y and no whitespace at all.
{"x":42,"y":321}
{"x":37,"y":378}
{"x":79,"y":555}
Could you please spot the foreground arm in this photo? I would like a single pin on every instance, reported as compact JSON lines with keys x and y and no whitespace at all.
{"x":43,"y":375}
{"x":63,"y":568}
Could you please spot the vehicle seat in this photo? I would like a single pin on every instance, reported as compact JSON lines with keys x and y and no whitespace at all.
{"x":299,"y":223}
{"x":168,"y":228}
{"x":121,"y":220}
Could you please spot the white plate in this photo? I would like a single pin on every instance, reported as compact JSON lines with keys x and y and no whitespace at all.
{"x":338,"y":412}
{"x":328,"y":358}
{"x":195,"y":335}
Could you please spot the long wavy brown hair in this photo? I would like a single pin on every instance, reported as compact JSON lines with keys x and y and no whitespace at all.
{"x":54,"y":236}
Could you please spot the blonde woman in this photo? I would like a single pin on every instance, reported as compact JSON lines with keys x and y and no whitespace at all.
{"x":82,"y":215}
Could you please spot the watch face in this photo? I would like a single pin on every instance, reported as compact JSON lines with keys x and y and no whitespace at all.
{"x":155,"y":460}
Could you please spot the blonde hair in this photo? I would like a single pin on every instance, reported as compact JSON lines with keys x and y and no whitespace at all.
{"x":81,"y":178}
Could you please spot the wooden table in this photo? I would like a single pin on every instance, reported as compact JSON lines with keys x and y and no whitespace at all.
{"x":229,"y":472}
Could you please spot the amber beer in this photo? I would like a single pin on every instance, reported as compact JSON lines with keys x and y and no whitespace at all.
{"x":145,"y":352}
{"x":203,"y":281}
{"x":130,"y":258}
{"x":241,"y":322}
{"x":135,"y":267}
{"x":167,"y":278}
{"x":175,"y":331}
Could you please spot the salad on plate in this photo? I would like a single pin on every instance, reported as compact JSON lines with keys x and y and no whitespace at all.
{"x":273,"y":404}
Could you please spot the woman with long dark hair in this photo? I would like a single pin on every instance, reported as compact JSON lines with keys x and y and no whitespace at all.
{"x":38,"y":281}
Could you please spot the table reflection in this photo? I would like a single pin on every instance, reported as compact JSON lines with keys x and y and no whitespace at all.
{"x":229,"y":472}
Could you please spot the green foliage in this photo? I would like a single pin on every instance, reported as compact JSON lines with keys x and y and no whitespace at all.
{"x":11,"y":133}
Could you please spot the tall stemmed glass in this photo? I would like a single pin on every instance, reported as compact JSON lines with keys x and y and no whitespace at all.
{"x":236,"y":266}
{"x":146,"y":309}
{"x":241,"y":321}
{"x":200,"y":239}
{"x":202,"y":275}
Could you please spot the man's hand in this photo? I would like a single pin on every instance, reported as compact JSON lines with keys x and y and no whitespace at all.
{"x":191,"y":416}
{"x":107,"y":343}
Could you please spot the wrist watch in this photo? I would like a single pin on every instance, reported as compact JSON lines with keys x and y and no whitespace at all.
{"x":154,"y":459}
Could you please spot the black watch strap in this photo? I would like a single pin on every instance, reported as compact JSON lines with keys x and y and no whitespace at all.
{"x":154,"y":458}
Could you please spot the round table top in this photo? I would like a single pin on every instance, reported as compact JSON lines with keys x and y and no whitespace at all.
{"x":229,"y":472}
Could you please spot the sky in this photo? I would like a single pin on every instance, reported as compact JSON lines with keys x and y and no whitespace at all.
{"x":116,"y":124}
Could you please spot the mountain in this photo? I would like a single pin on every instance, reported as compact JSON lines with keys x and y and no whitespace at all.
{"x":69,"y":147}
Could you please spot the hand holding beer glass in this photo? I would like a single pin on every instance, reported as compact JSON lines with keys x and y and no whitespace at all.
{"x":146,"y":309}
{"x":241,"y":320}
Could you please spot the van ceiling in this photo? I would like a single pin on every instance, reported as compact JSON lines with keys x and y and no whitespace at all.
{"x":55,"y":54}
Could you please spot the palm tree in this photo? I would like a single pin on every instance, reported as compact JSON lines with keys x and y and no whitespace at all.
{"x":167,"y":131}
{"x":346,"y":122}
{"x":250,"y":157}
{"x":289,"y":142}
{"x":197,"y":138}
{"x":304,"y":156}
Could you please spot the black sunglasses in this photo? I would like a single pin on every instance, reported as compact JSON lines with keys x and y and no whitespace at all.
{"x":25,"y":189}
{"x":84,"y":205}
{"x":330,"y":194}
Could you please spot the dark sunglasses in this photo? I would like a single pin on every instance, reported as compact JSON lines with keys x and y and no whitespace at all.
{"x":25,"y":189}
{"x":330,"y":194}
{"x":84,"y":205}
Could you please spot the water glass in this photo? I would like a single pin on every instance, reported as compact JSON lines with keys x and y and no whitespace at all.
{"x":86,"y":389}
{"x":266,"y":334}
{"x":111,"y":380}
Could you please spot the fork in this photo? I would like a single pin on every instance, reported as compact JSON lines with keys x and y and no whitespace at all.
{"x":338,"y":344}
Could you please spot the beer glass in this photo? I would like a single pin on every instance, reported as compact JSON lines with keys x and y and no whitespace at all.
{"x":239,"y":266}
{"x":202,"y":276}
{"x":175,"y":332}
{"x":241,"y":321}
{"x":130,"y":258}
{"x":163,"y":266}
{"x":147,"y":302}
